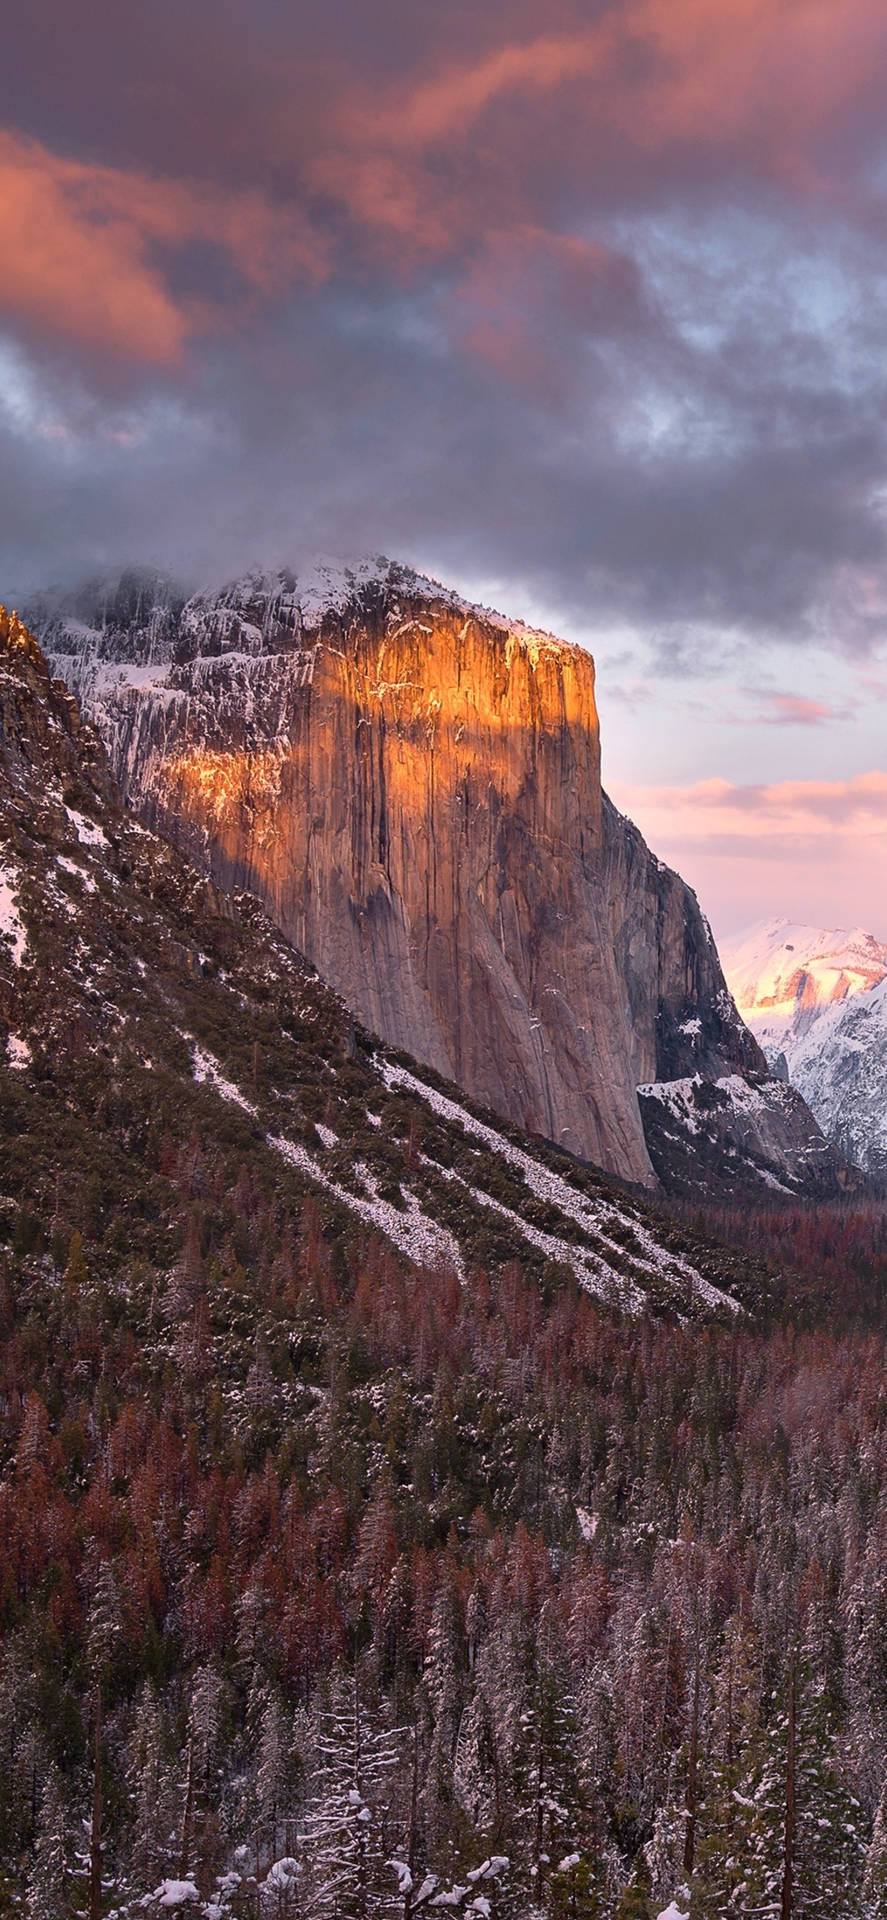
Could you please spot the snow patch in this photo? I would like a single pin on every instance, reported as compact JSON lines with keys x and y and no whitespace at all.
{"x":588,"y":1523}
{"x":600,"y":1219}
{"x":88,"y":834}
{"x":77,"y":873}
{"x":175,"y":1893}
{"x":12,"y":927}
{"x":424,"y":1241}
{"x":209,"y":1073}
{"x":18,"y":1053}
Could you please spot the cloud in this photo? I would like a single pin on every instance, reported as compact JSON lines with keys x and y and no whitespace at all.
{"x":792,"y":710}
{"x":594,"y":310}
{"x":811,"y":849}
{"x":789,"y":808}
{"x":89,"y":250}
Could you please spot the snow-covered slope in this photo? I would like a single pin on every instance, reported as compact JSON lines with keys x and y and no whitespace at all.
{"x":816,"y":999}
{"x":839,"y":1063}
{"x":782,"y":974}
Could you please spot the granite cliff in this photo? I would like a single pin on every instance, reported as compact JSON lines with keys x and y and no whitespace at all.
{"x":411,"y":787}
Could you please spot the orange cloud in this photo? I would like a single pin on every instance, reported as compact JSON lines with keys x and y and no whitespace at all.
{"x":652,"y":76}
{"x":439,"y":161}
{"x":86,"y":250}
{"x":791,"y":710}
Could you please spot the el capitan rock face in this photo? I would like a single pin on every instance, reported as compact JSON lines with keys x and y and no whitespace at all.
{"x":411,"y":786}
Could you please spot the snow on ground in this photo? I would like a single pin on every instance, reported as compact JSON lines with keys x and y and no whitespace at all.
{"x":591,"y":1271}
{"x":77,"y":873}
{"x":603,"y":1221}
{"x":18,"y":1053}
{"x":427,"y":1243}
{"x":677,"y":1096}
{"x":209,"y":1073}
{"x":88,"y":834}
{"x":12,"y":926}
{"x":423,"y":1240}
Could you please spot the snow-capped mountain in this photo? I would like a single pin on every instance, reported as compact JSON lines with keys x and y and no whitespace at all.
{"x":839,"y":1064}
{"x":816,"y":999}
{"x":782,"y":974}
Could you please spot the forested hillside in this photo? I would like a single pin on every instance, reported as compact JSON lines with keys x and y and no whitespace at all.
{"x":395,"y":1515}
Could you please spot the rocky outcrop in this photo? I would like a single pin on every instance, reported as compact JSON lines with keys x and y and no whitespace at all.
{"x":146,"y":1019}
{"x":41,"y":725}
{"x":680,"y":1018}
{"x":411,"y":786}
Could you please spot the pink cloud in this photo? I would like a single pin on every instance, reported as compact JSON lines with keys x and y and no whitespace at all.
{"x":795,"y":807}
{"x":86,"y":250}
{"x":791,"y":710}
{"x":648,"y":79}
{"x":811,"y":848}
{"x":439,"y":161}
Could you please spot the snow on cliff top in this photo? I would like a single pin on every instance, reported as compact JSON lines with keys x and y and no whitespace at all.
{"x":328,"y":584}
{"x":250,"y":611}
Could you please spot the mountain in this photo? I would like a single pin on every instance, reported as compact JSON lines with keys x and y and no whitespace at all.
{"x":783,"y":975}
{"x":141,"y":1004}
{"x":411,"y":787}
{"x":816,"y":999}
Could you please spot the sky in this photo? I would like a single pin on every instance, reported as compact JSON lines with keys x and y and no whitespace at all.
{"x":579,"y":307}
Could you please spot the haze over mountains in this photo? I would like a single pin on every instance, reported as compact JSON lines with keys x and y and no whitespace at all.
{"x":411,"y":786}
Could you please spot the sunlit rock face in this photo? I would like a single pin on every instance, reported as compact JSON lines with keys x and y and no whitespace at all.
{"x":412,"y":787}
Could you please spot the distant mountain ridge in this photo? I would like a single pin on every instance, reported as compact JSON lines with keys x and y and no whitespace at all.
{"x":411,"y":787}
{"x":782,"y":974}
{"x":816,"y":999}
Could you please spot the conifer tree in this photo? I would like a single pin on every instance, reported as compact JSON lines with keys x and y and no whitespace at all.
{"x":350,"y":1828}
{"x":49,"y":1894}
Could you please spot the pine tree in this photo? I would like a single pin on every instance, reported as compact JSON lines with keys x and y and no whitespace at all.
{"x":48,"y":1895}
{"x":350,"y":1828}
{"x":103,"y":1632}
{"x":273,"y":1770}
{"x":153,"y":1794}
{"x":806,"y":1851}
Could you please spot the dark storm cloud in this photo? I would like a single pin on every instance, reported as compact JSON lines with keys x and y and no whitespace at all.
{"x":586,"y":298}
